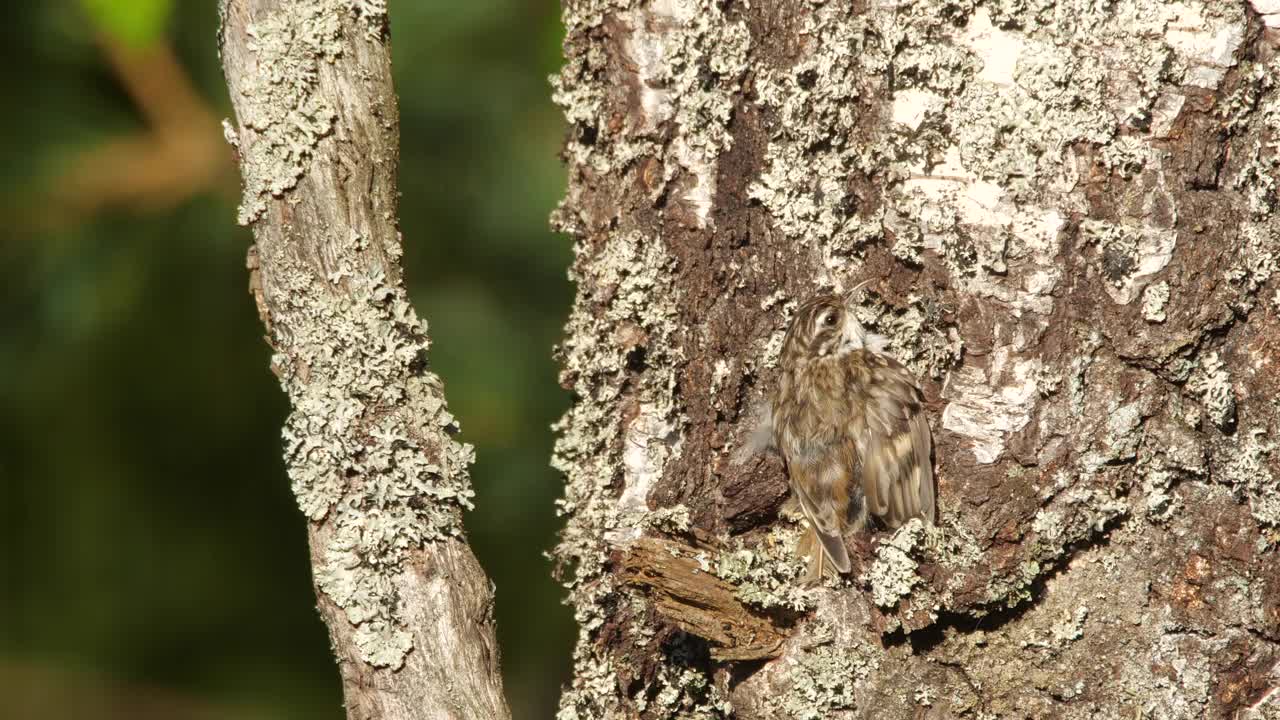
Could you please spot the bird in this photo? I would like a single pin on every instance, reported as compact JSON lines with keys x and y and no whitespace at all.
{"x":849,"y":421}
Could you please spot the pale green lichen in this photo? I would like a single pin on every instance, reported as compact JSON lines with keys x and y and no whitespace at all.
{"x":669,"y":520}
{"x":823,"y":679}
{"x":1070,"y":627}
{"x":1127,"y":155}
{"x":768,"y":575}
{"x":682,"y":62}
{"x":924,"y":696}
{"x":594,"y":679}
{"x":917,"y":334}
{"x":1154,"y":299}
{"x":813,"y":150}
{"x":1259,"y":177}
{"x":636,"y":308}
{"x":1049,"y":87}
{"x":368,"y":445}
{"x":682,"y":691}
{"x":1122,"y":437}
{"x":688,"y":59}
{"x":1047,"y":524}
{"x":1078,"y":370}
{"x":699,"y":75}
{"x":1256,"y":81}
{"x":632,"y":272}
{"x":1212,"y":383}
{"x":1013,"y":589}
{"x":893,"y":574}
{"x":1257,"y":261}
{"x":1248,"y":470}
{"x":1076,"y":513}
{"x":919,"y":222}
{"x":1016,"y":134}
{"x":280,"y":103}
{"x":1161,"y":503}
{"x":1258,"y":180}
{"x":1011,"y":92}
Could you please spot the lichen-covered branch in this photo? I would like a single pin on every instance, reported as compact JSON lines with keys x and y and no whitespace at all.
{"x":369,"y":441}
{"x":1067,"y":214}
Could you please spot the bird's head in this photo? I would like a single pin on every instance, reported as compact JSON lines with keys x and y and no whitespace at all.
{"x":826,"y":325}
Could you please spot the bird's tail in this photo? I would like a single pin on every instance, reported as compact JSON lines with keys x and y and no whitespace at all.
{"x":826,"y":559}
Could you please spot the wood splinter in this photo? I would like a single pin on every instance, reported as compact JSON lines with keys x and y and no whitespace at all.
{"x":698,"y":602}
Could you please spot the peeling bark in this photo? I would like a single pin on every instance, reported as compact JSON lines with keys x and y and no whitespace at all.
{"x":1067,"y":214}
{"x":685,"y":595}
{"x":368,"y":441}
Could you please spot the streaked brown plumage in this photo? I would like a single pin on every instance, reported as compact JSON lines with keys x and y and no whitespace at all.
{"x":850,"y":423}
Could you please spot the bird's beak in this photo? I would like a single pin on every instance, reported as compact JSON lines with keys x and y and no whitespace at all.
{"x":849,"y":294}
{"x":854,"y":333}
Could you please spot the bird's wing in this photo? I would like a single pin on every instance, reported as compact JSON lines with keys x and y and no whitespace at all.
{"x":806,"y":481}
{"x":897,"y":447}
{"x":761,"y":437}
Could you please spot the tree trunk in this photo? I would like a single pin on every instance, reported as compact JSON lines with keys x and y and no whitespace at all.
{"x":368,"y":443}
{"x":1065,"y":212}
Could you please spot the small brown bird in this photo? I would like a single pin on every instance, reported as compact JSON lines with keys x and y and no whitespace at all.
{"x":850,"y":423}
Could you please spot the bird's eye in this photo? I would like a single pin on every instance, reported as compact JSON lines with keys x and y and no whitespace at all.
{"x":829,"y":319}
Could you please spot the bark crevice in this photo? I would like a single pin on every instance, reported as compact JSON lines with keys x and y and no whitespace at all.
{"x":1066,"y":212}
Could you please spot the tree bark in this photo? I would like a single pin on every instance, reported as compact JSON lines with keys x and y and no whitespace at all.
{"x":368,"y":442}
{"x":1066,"y":212}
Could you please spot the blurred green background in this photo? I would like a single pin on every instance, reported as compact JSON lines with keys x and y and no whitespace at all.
{"x":152,"y":562}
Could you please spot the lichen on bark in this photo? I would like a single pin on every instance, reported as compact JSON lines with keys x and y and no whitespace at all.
{"x":1066,"y":215}
{"x":368,"y":439}
{"x":281,"y":103}
{"x":369,"y":442}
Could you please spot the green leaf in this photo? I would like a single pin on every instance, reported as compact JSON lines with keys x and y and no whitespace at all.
{"x":138,"y":23}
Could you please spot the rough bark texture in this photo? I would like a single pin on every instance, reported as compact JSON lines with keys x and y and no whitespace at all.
{"x":1065,"y":210}
{"x":368,"y":443}
{"x":695,"y":601}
